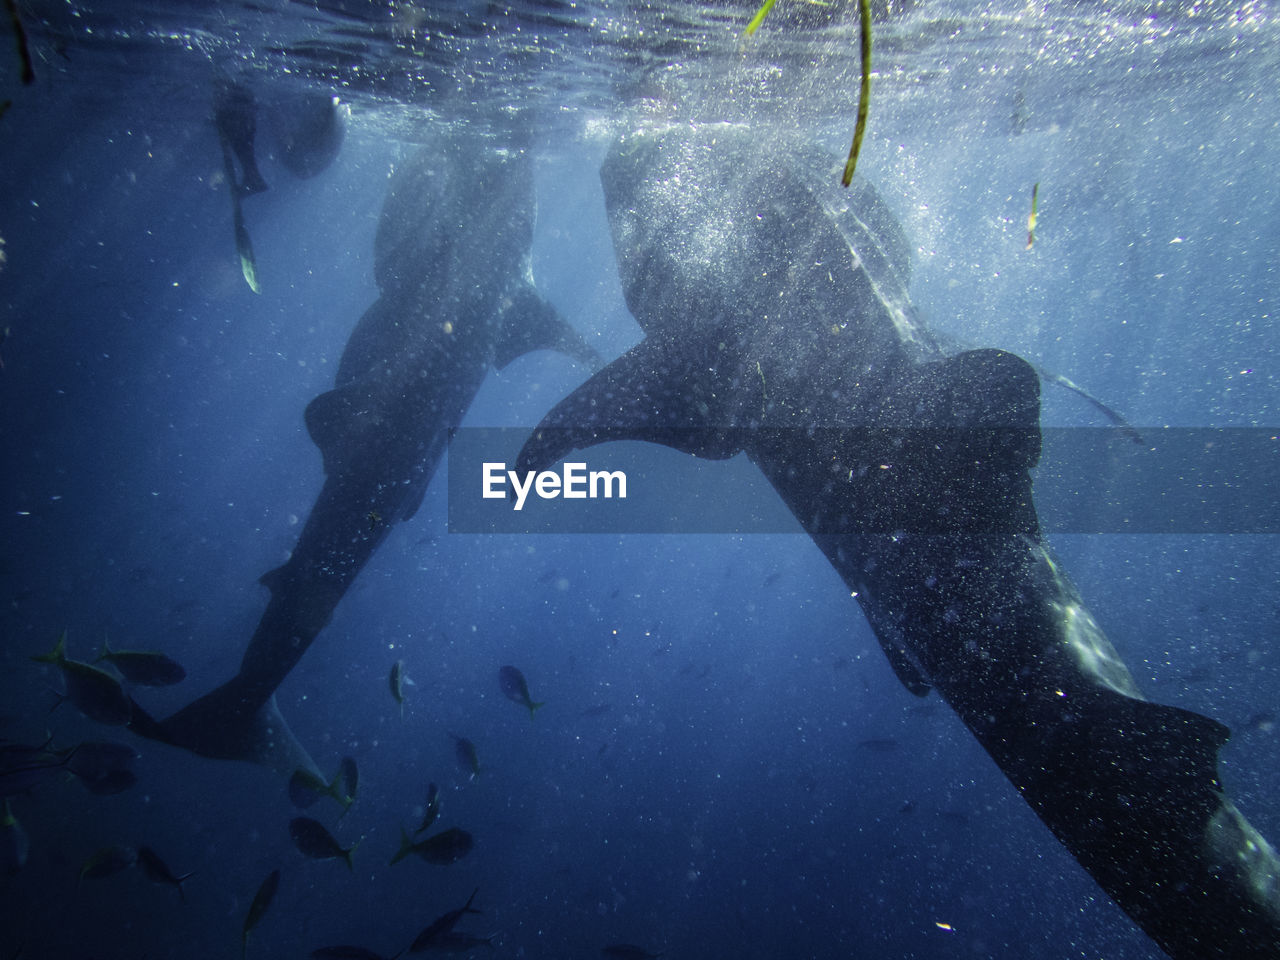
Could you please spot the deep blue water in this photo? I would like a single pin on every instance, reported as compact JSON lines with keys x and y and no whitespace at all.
{"x":725,"y":765}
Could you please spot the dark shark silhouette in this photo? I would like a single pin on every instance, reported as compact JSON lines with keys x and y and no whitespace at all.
{"x":777,"y":323}
{"x":451,"y":259}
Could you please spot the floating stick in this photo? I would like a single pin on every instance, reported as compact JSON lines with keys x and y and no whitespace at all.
{"x":864,"y":94}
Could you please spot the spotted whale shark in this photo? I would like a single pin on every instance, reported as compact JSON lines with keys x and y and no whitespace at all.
{"x":777,"y":323}
{"x":456,"y":298}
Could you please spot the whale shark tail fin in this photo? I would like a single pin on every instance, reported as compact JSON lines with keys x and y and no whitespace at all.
{"x":229,"y":724}
{"x":1135,"y":796}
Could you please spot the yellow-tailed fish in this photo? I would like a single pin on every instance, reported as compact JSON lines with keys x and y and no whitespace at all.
{"x":261,"y":901}
{"x":1031,"y":218}
{"x":396,"y":682}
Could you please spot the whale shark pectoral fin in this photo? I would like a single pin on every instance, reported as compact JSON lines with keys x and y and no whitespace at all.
{"x":654,"y":393}
{"x":529,"y":323}
{"x":227,"y":724}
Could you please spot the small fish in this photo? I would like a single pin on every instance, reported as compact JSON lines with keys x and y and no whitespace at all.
{"x":24,"y":768}
{"x":350,"y":779}
{"x":1261,"y":723}
{"x":625,"y":951}
{"x":109,"y":784}
{"x":441,"y":849}
{"x":107,"y":862}
{"x":433,"y":809}
{"x":1019,"y":115}
{"x":314,"y":840}
{"x":442,"y":926}
{"x":13,"y":753}
{"x":465,"y":751}
{"x":103,"y":767}
{"x":146,"y":668}
{"x":93,"y":758}
{"x":14,"y":845}
{"x":305,"y":788}
{"x":95,"y":693}
{"x":396,"y":682}
{"x":515,"y":688}
{"x":1031,"y":218}
{"x":158,"y":872}
{"x":261,"y":901}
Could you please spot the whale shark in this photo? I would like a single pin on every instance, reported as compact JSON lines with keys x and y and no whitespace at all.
{"x":456,"y":297}
{"x":777,"y":324}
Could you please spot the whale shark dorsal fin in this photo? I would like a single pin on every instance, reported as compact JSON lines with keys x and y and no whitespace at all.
{"x":413,"y":503}
{"x":908,"y":674}
{"x":529,"y":323}
{"x":328,"y":417}
{"x":990,"y":388}
{"x":275,"y":579}
{"x":655,"y":392}
{"x":978,"y":389}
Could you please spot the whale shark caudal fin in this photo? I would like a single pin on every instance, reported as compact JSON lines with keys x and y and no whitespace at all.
{"x":1131,"y":789}
{"x":224,"y":725}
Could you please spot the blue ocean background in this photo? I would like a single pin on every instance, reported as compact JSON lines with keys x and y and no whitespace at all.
{"x":725,"y":765}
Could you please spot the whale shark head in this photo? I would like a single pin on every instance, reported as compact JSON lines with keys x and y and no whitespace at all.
{"x":460,"y":202}
{"x":715,"y":230}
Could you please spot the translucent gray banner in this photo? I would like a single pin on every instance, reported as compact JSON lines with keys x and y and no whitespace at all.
{"x":860,"y":481}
